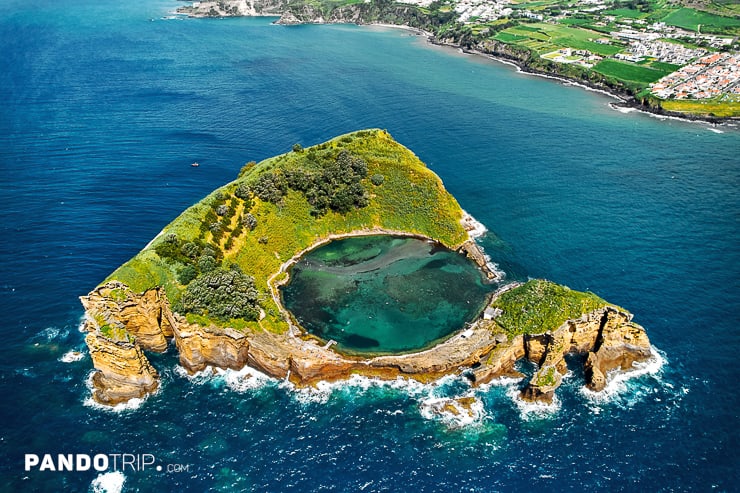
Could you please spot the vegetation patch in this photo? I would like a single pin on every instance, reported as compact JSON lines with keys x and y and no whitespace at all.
{"x":538,"y":306}
{"x":695,"y":20}
{"x":629,"y":71}
{"x":721,"y":109}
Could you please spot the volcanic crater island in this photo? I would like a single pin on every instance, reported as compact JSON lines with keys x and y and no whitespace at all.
{"x":345,"y":258}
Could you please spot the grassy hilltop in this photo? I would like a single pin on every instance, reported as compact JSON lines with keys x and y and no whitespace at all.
{"x":238,"y":236}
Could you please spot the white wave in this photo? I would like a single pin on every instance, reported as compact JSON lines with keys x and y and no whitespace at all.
{"x":51,"y":333}
{"x":358,"y":385}
{"x":322,"y":391}
{"x":623,"y":109}
{"x":72,"y":356}
{"x":493,"y":267}
{"x":450,"y":412}
{"x":246,"y":379}
{"x":530,"y":411}
{"x":237,"y":380}
{"x":109,"y":482}
{"x":617,"y":382}
{"x":475,"y":228}
{"x":715,"y":130}
{"x":499,"y":382}
{"x":129,"y":405}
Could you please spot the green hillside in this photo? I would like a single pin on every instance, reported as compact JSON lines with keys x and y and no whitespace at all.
{"x":248,"y":228}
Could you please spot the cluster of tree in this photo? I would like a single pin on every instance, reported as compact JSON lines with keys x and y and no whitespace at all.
{"x":335,"y":185}
{"x":199,"y":256}
{"x":222,"y":294}
{"x":196,"y":256}
{"x":641,"y":5}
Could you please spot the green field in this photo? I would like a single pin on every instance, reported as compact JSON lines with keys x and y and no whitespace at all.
{"x":665,"y":67}
{"x":691,"y":19}
{"x":544,"y":38}
{"x":629,"y":72}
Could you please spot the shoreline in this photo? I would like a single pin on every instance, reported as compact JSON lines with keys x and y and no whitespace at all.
{"x":623,"y":100}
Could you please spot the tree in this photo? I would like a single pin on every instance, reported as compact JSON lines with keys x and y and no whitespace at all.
{"x":222,"y":294}
{"x":271,"y":187}
{"x":250,"y":222}
{"x":297,"y":147}
{"x":187,"y":274}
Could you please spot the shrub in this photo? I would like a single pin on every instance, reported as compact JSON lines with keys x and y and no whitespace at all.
{"x":212,"y":251}
{"x":222,"y":294}
{"x":187,"y":274}
{"x":169,"y":249}
{"x":222,"y":210}
{"x":243,"y":191}
{"x":190,"y":249}
{"x":297,"y":148}
{"x":207,"y":263}
{"x":262,"y":240}
{"x":377,"y":179}
{"x":247,"y":167}
{"x":249,"y":221}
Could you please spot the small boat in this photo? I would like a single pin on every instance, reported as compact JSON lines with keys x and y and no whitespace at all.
{"x":195,"y":164}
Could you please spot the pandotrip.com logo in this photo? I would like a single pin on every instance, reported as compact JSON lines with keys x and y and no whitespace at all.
{"x":100,"y":463}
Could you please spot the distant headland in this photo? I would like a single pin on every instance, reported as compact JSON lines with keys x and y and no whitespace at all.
{"x":663,"y":59}
{"x":210,"y":282}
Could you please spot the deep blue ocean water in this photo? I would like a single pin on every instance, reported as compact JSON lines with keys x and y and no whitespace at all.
{"x":104,"y":107}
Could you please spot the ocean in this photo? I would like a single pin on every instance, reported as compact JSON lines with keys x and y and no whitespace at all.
{"x":106,"y":105}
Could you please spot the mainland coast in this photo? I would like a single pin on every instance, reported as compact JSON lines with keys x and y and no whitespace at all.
{"x":292,"y":14}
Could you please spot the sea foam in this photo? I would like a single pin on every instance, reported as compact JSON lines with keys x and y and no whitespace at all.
{"x":109,"y":482}
{"x":619,"y":384}
{"x":72,"y":356}
{"x":129,"y":405}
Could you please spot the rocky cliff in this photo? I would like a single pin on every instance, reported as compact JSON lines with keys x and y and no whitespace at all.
{"x":606,"y":336}
{"x":122,"y":371}
{"x":120,"y":323}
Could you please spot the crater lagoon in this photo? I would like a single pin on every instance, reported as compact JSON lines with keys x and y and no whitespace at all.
{"x":384,"y":294}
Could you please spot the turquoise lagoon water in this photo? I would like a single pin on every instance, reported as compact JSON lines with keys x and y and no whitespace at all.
{"x":104,"y":107}
{"x":384,"y":294}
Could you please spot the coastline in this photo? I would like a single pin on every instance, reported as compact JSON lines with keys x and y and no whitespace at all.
{"x":622,"y":100}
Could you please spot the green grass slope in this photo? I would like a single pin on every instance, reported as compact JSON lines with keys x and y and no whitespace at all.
{"x":411,"y":198}
{"x":538,"y":306}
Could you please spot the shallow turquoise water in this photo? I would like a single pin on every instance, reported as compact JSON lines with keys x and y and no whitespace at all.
{"x":384,"y":294}
{"x":103,"y":112}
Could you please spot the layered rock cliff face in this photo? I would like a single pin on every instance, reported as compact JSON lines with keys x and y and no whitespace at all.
{"x":122,"y":323}
{"x":607,"y":337}
{"x":122,"y":371}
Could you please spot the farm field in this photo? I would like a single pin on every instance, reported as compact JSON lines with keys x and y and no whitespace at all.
{"x":692,"y":20}
{"x":544,"y":38}
{"x":630,"y":72}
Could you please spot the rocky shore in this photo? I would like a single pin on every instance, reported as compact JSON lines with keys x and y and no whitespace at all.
{"x":482,"y":352}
